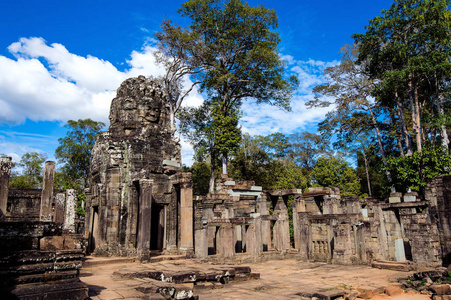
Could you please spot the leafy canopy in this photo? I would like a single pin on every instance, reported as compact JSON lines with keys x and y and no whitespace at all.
{"x":75,"y":149}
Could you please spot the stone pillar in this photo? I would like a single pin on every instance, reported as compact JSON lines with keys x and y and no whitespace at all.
{"x":186,"y":216}
{"x":253,"y":238}
{"x":201,"y":247}
{"x":297,"y":207}
{"x":47,"y":191}
{"x":71,"y":211}
{"x":343,"y":246}
{"x":263,"y":210}
{"x":304,"y":236}
{"x":226,"y":240}
{"x":144,"y":222}
{"x":281,"y":227}
{"x":5,"y":171}
{"x":58,"y":214}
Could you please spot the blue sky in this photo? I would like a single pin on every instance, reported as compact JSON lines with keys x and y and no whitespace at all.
{"x":62,"y":60}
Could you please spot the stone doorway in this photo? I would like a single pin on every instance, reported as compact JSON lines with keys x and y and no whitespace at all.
{"x":94,"y":229}
{"x":158,"y":228}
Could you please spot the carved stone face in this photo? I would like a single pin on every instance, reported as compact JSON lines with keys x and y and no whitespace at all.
{"x":138,"y":104}
{"x":149,"y":111}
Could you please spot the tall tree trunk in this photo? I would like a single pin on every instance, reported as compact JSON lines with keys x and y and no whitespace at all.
{"x":415,"y":111}
{"x":443,"y":132}
{"x":405,"y":135}
{"x":224,"y":163}
{"x":367,"y":173}
{"x":211,"y":186}
{"x":379,"y":141}
{"x":172,"y":118}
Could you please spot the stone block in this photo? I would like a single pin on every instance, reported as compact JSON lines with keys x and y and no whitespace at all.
{"x":410,"y":198}
{"x":441,"y":289}
{"x":395,"y":199}
{"x":393,"y":291}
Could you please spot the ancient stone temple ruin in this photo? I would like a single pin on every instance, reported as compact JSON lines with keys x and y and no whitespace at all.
{"x":41,"y":249}
{"x":140,"y":203}
{"x":139,"y":199}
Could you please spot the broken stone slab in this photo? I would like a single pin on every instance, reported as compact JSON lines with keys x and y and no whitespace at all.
{"x":58,"y":290}
{"x":326,"y":295}
{"x":393,"y":290}
{"x":389,"y":265}
{"x":36,"y":278}
{"x":440,"y":289}
{"x":166,"y":289}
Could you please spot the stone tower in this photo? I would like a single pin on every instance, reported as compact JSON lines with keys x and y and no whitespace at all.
{"x":138,"y":198}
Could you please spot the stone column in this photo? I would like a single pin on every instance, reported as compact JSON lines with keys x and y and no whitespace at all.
{"x":144,"y":222}
{"x":297,"y":207}
{"x":227,"y":239}
{"x":5,"y":171}
{"x":253,"y":238}
{"x":71,"y":211}
{"x":281,"y":227}
{"x":263,"y":210}
{"x":304,"y":235}
{"x":47,"y":191}
{"x":201,"y":247}
{"x":58,"y":214}
{"x":186,"y":217}
{"x":343,"y":252}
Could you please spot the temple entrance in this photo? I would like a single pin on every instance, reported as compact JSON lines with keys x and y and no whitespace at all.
{"x":94,"y":228}
{"x":157,"y":227}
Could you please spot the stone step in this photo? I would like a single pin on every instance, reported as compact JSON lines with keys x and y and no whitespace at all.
{"x":57,"y":290}
{"x":324,"y":295}
{"x":92,"y":261}
{"x":393,"y":265}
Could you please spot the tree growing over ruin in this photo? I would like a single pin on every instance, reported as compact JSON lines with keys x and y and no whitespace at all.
{"x":230,"y":49}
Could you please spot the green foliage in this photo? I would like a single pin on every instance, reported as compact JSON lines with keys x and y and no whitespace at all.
{"x":201,"y":178}
{"x":20,"y":182}
{"x":32,"y":166}
{"x":413,"y":171}
{"x":230,"y":49}
{"x":262,"y":159}
{"x":335,"y":171}
{"x":81,"y":197}
{"x":378,"y":180}
{"x":75,"y":150}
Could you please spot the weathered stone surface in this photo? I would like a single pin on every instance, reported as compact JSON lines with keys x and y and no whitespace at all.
{"x":441,"y":289}
{"x":139,"y":146}
{"x":71,"y":210}
{"x":393,"y":290}
{"x":5,"y":171}
{"x":47,"y":192}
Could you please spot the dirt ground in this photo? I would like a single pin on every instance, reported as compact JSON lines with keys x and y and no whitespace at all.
{"x":279,"y":279}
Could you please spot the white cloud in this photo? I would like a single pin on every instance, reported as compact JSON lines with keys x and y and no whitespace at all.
{"x":265,"y":119}
{"x":48,"y":83}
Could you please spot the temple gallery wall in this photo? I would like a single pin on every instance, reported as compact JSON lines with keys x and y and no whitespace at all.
{"x":140,"y":203}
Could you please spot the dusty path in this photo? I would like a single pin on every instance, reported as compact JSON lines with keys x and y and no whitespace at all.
{"x":279,"y":279}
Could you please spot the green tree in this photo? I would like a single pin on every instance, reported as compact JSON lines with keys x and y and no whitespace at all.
{"x":75,"y":151}
{"x":349,"y":90}
{"x":335,"y":171}
{"x":263,"y":159}
{"x":412,"y":172}
{"x":201,"y":178}
{"x":32,"y":165}
{"x":305,"y":148}
{"x":209,"y":132}
{"x":235,"y":53}
{"x":407,"y":49}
